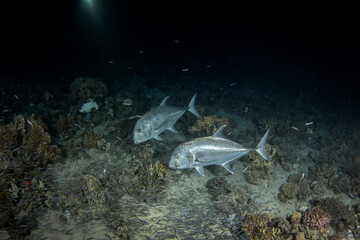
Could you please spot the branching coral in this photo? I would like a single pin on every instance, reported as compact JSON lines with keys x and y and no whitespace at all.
{"x":260,"y":227}
{"x":288,"y":191}
{"x":318,"y":219}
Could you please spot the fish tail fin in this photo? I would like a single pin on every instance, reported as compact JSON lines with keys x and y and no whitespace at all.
{"x":260,"y":148}
{"x":192,"y":107}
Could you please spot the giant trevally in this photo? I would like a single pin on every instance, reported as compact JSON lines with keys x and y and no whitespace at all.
{"x":159,"y":119}
{"x":213,"y":150}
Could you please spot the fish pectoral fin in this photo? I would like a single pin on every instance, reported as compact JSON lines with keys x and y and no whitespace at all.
{"x":171,"y":128}
{"x":227,"y":167}
{"x":159,"y":138}
{"x":200,"y":170}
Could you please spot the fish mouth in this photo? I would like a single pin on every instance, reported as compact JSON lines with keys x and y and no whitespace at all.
{"x":137,"y":141}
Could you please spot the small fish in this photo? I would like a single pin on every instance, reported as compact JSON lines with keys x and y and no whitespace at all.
{"x":176,"y":41}
{"x":302,"y":177}
{"x":213,"y":150}
{"x":127,"y":103}
{"x":136,"y":116}
{"x":309,"y":123}
{"x":232,"y":84}
{"x":245,"y":169}
{"x":159,"y":119}
{"x":29,"y":123}
{"x":352,"y":196}
{"x":185,"y":70}
{"x":295,"y":128}
{"x":284,"y":179}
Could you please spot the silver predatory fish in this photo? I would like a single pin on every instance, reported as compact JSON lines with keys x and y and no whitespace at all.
{"x":159,"y":119}
{"x":213,"y":150}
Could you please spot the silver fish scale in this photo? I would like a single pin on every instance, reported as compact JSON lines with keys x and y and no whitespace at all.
{"x":215,"y":149}
{"x":159,"y":119}
{"x":163,"y":117}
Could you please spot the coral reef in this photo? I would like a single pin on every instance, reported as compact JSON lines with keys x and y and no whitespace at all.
{"x":260,"y":227}
{"x":26,"y":151}
{"x":83,"y":88}
{"x":218,"y":186}
{"x":91,"y":139}
{"x":66,"y":126}
{"x":141,"y":152}
{"x":342,"y":217}
{"x":207,"y":125}
{"x":303,"y":191}
{"x":158,"y":170}
{"x":236,"y":201}
{"x":288,"y":191}
{"x":143,"y":182}
{"x":258,"y":169}
{"x":318,"y":219}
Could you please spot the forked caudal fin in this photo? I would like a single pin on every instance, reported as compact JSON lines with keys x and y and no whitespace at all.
{"x":192,"y":107}
{"x":260,"y":148}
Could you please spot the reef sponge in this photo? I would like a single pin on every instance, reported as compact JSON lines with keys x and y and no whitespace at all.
{"x":318,"y":219}
{"x":208,"y":125}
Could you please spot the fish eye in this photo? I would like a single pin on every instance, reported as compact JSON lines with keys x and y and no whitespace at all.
{"x":138,"y":130}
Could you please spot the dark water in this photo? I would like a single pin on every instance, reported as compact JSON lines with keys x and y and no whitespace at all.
{"x":296,"y":72}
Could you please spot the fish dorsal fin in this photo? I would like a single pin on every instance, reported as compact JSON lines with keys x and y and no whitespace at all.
{"x":219,"y":132}
{"x":163,"y":103}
